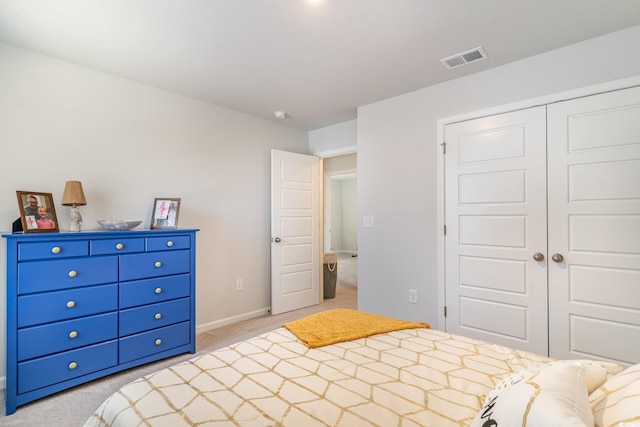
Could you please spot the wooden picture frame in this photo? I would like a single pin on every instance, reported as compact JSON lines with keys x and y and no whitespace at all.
{"x":165,"y":212}
{"x":37,"y":212}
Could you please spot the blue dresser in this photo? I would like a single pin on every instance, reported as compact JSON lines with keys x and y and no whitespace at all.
{"x":84,"y":305}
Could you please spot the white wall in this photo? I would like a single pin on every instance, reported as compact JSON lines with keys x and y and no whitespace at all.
{"x":344,"y":219}
{"x":350,"y":215}
{"x":129,"y":143}
{"x":335,"y":235}
{"x":340,"y":165}
{"x":334,"y":140}
{"x":397,"y":162}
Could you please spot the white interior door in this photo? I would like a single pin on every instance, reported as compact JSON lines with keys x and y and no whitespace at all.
{"x":295,"y":231}
{"x":495,"y":214}
{"x":594,"y":224}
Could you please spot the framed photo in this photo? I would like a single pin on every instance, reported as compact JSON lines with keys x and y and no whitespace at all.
{"x":37,"y":212}
{"x":165,"y":213}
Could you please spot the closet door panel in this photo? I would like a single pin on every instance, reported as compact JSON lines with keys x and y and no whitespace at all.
{"x":594,"y":223}
{"x":495,"y":211}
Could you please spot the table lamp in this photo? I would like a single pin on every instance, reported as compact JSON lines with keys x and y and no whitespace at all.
{"x":74,"y":196}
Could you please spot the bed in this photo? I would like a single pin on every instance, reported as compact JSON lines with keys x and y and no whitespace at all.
{"x":412,"y":376}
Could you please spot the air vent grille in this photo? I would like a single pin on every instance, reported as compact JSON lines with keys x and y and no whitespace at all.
{"x":464,"y":58}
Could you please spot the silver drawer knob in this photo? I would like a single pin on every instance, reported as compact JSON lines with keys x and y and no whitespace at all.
{"x":55,"y":250}
{"x":557,"y":258}
{"x":119,"y":246}
{"x":73,"y":334}
{"x":158,"y":316}
{"x":158,"y":341}
{"x":158,"y":291}
{"x":71,"y":304}
{"x":73,"y":273}
{"x":158,"y":264}
{"x":73,"y":365}
{"x":169,"y":243}
{"x":538,"y":256}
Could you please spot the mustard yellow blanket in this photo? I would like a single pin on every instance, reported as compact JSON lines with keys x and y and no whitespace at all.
{"x":342,"y":324}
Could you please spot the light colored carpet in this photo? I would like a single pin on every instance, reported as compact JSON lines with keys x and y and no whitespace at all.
{"x":71,"y":408}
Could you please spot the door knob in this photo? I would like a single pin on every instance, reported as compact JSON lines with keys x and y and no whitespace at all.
{"x":557,"y":258}
{"x":277,"y":240}
{"x":538,"y":256}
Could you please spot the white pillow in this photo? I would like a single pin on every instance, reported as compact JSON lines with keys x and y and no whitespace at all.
{"x":549,"y":395}
{"x":596,"y":372}
{"x":617,"y":401}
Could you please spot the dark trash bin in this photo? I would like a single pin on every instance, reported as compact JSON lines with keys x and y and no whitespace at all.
{"x":330,"y":275}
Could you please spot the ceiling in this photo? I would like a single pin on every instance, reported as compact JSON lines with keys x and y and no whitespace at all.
{"x":318,"y":60}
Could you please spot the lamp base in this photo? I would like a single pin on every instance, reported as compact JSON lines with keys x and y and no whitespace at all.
{"x":76,"y":219}
{"x":75,"y":225}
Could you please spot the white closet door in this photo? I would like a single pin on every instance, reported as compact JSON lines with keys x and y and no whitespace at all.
{"x":495,"y":212}
{"x":594,"y":223}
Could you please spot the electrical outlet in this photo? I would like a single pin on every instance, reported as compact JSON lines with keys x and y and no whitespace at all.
{"x":367,"y":221}
{"x":413,"y":296}
{"x":239,"y":284}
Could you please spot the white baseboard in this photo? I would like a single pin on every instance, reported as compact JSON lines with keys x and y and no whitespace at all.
{"x":229,"y":320}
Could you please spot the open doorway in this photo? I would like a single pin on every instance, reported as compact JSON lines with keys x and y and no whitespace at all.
{"x":340,"y":228}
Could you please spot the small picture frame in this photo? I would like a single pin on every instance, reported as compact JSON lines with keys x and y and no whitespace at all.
{"x":165,"y":212}
{"x":37,"y":212}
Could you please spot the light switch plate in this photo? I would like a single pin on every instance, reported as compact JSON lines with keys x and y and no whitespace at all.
{"x":413,"y":296}
{"x":367,"y":221}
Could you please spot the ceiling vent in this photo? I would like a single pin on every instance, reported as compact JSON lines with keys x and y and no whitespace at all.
{"x":464,"y":58}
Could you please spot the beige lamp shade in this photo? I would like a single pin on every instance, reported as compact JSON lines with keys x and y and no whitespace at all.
{"x":73,"y":194}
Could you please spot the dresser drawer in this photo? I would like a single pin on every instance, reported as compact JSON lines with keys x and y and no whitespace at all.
{"x":168,"y":243}
{"x":151,"y":342}
{"x":62,"y":336}
{"x":142,"y":266}
{"x":153,"y":316}
{"x":52,"y":250}
{"x":149,"y":291}
{"x":117,"y":246}
{"x":60,"y":367}
{"x":69,"y":304}
{"x":39,"y":276}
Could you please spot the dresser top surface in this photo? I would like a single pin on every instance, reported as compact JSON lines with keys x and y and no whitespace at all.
{"x":96,"y":234}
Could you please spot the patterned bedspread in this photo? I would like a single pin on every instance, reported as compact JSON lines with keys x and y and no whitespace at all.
{"x":411,"y":377}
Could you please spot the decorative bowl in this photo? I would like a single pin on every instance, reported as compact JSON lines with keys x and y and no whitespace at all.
{"x":118,"y":224}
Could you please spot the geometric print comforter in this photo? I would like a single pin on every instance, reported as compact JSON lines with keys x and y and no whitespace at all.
{"x":406,"y":378}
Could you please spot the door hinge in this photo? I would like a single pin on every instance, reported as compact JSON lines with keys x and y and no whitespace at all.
{"x":444,"y":148}
{"x":445,"y":311}
{"x":445,"y":229}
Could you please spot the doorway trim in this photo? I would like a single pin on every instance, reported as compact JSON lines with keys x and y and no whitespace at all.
{"x":337,"y":152}
{"x":519,"y":105}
